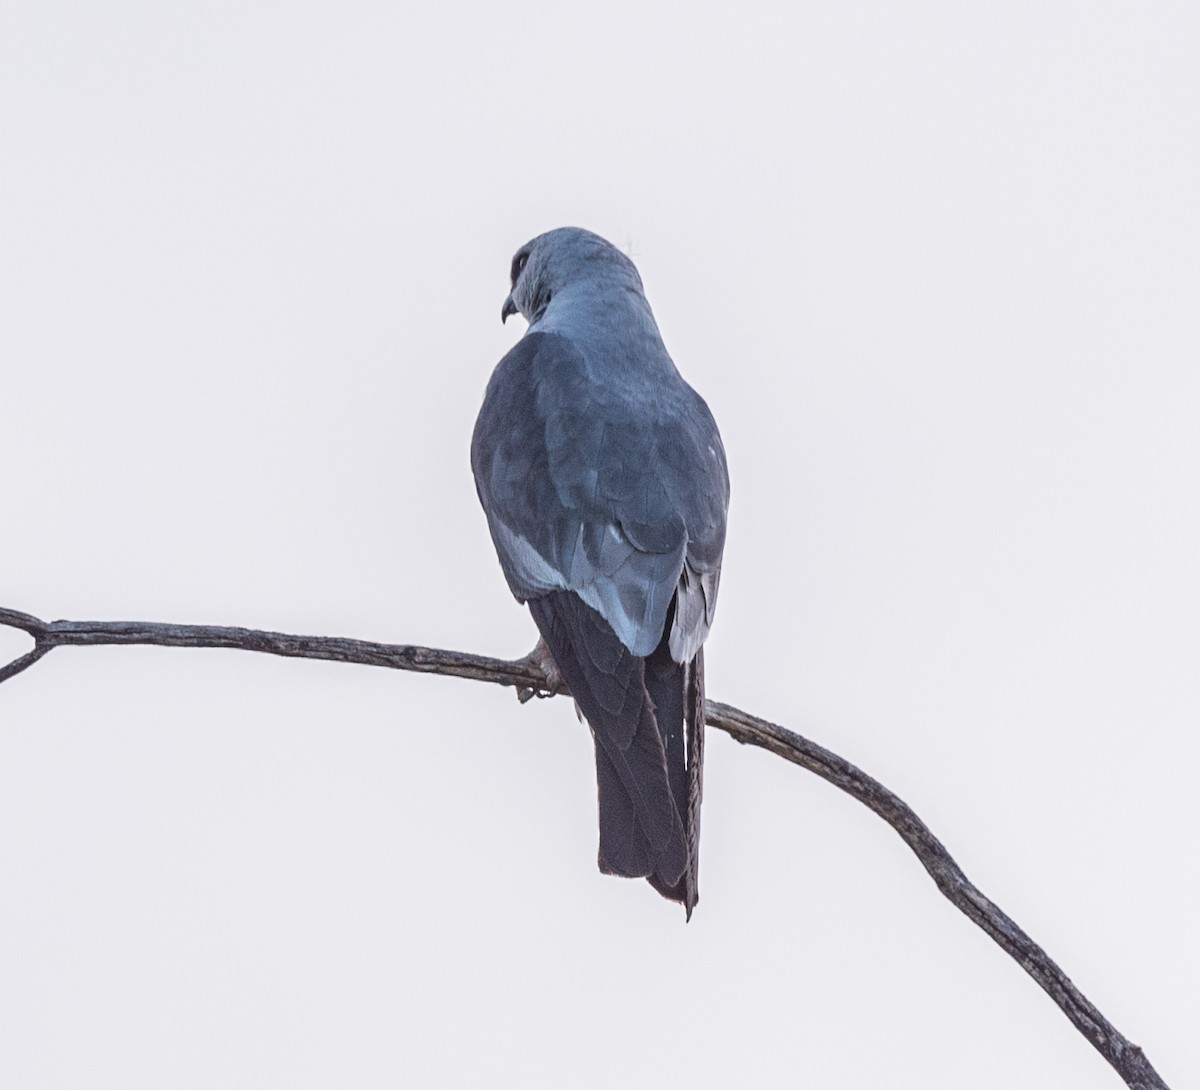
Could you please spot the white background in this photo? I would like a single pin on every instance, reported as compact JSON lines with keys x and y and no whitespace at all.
{"x":935,"y":268}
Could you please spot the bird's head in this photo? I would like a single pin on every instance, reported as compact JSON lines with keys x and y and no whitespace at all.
{"x":559,"y":260}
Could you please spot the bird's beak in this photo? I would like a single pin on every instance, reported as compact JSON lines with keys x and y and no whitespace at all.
{"x":509,"y":309}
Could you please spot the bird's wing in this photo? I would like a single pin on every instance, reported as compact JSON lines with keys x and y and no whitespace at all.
{"x":616,"y":497}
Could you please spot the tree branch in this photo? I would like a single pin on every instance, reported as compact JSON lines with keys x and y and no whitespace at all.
{"x":1127,"y":1058}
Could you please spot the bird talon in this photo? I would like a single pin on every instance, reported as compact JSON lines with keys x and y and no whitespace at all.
{"x":542,"y":661}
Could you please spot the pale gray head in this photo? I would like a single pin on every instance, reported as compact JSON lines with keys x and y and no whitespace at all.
{"x":559,"y":260}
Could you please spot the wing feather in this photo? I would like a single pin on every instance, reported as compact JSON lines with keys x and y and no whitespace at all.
{"x":588,"y":488}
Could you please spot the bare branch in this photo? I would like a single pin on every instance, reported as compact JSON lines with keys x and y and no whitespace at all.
{"x":525,"y":676}
{"x":1128,"y":1059}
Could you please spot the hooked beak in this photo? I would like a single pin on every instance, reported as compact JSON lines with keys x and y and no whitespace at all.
{"x":509,"y":309}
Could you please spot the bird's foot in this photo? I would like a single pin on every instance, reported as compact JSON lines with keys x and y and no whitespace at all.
{"x":541,"y":659}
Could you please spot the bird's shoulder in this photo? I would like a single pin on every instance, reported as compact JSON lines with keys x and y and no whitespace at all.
{"x":606,"y":440}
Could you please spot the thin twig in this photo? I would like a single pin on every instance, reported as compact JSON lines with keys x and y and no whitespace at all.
{"x":524,"y":676}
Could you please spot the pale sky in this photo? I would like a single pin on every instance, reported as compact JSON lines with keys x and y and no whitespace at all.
{"x":935,"y":268}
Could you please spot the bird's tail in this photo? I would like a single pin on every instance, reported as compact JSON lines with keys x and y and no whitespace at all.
{"x":646,"y":827}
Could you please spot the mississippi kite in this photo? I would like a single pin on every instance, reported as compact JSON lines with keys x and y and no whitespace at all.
{"x":604,"y":482}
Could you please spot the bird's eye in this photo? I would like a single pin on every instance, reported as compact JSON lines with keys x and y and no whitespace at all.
{"x":518,"y":265}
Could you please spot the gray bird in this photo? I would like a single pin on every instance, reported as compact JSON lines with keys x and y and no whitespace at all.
{"x":604,"y":482}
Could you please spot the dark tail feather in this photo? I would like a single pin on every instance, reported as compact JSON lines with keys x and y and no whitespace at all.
{"x":695,"y":754}
{"x":624,"y":847}
{"x":641,"y":826}
{"x":666,"y":682}
{"x":678,"y":695}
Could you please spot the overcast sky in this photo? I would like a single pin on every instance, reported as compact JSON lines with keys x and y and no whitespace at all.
{"x":935,"y":268}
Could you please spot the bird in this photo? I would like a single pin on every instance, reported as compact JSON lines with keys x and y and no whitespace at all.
{"x":604,"y":482}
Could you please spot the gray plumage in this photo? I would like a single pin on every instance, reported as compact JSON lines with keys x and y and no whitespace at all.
{"x":604,"y":482}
